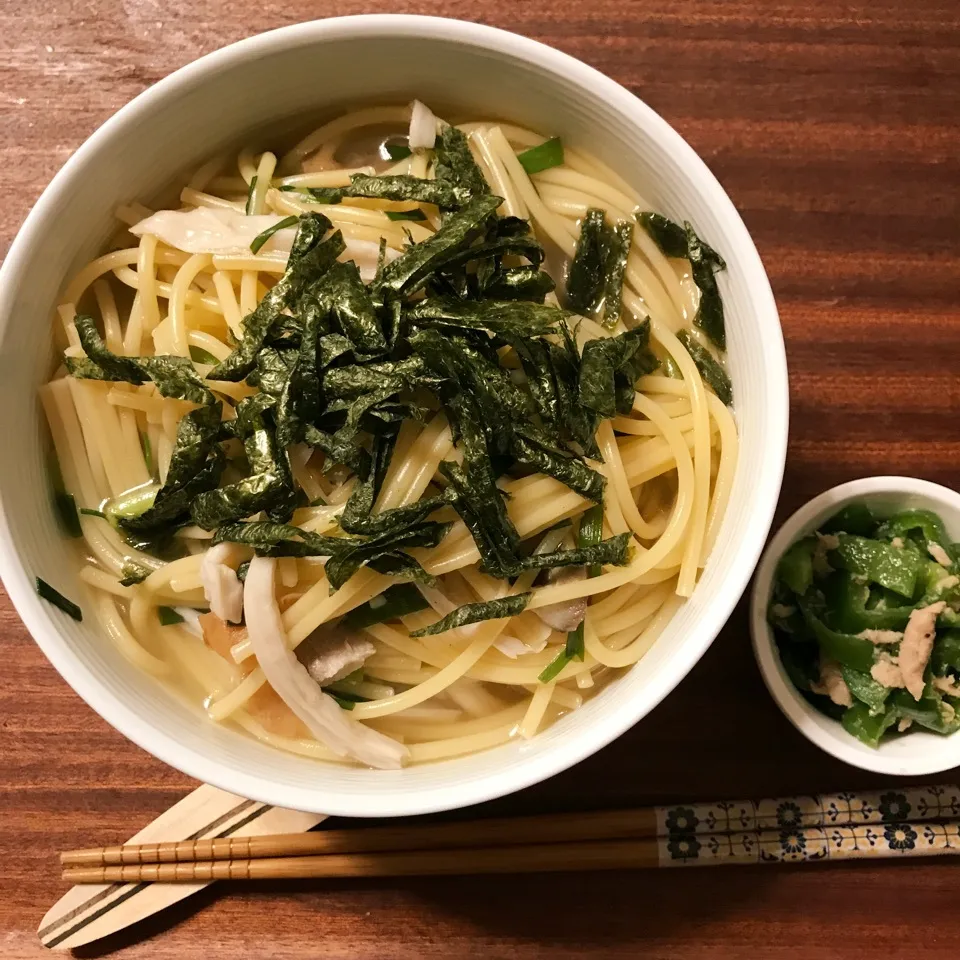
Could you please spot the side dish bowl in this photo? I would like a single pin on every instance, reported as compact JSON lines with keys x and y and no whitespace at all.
{"x":265,"y":83}
{"x":913,"y":755}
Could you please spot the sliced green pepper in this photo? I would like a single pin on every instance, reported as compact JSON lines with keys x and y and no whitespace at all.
{"x":866,"y":726}
{"x":866,"y":689}
{"x":846,"y":649}
{"x":853,"y":518}
{"x":847,"y":609}
{"x":800,"y":660}
{"x":946,"y":653}
{"x":927,"y":523}
{"x":795,"y":568}
{"x":879,"y":562}
{"x":930,"y":711}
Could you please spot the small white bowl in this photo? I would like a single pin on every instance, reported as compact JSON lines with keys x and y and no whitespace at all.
{"x":919,"y":752}
{"x":268,"y":83}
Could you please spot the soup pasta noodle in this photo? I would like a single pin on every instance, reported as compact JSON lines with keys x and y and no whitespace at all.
{"x":333,"y":460}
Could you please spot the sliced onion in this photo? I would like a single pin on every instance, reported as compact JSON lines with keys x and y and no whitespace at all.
{"x":330,"y":724}
{"x":224,"y":592}
{"x":423,"y":127}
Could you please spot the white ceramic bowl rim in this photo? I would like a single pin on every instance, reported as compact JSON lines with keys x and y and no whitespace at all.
{"x":914,"y":755}
{"x":371,"y":802}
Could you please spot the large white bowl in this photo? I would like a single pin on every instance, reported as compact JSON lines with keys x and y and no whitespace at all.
{"x":266,"y":82}
{"x":919,"y":752}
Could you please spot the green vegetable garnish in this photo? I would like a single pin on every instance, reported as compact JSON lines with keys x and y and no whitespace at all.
{"x":48,"y":593}
{"x":548,"y":154}
{"x":713,"y":374}
{"x":683,"y":242}
{"x":134,"y":573}
{"x":469,"y":613}
{"x":395,"y":602}
{"x":415,"y":214}
{"x":248,"y":209}
{"x":261,"y":238}
{"x":168,"y":616}
{"x":199,"y":355}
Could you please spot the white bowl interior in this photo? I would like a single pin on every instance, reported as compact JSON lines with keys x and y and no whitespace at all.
{"x":920,"y":751}
{"x":311,"y":69}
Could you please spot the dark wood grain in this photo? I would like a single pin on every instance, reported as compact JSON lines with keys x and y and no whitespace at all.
{"x":836,"y":129}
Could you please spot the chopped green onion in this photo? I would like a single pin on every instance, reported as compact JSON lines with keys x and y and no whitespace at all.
{"x":395,"y":602}
{"x":590,"y":533}
{"x":261,"y":238}
{"x":554,"y":667}
{"x":199,"y":355}
{"x":46,"y":592}
{"x":66,"y":508}
{"x":168,"y":616}
{"x":406,"y":215}
{"x":147,"y":451}
{"x":131,"y":504}
{"x":248,"y":210}
{"x":87,"y":512}
{"x":548,"y":154}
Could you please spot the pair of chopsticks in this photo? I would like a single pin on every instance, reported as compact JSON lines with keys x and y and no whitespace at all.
{"x":897,"y":822}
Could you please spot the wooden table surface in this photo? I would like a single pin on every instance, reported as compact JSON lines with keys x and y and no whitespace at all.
{"x":835,"y":127}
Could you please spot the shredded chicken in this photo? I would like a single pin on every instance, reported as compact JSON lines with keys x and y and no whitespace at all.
{"x":946,"y":583}
{"x":897,"y":542}
{"x":881,"y":636}
{"x":568,"y":614}
{"x":825,"y":543}
{"x":917,"y":646}
{"x":289,"y":678}
{"x":886,"y":671}
{"x":832,"y":684}
{"x":947,"y":685}
{"x":332,"y":653}
{"x":939,"y":554}
{"x":782,"y":611}
{"x":905,"y":724}
{"x":223,"y":590}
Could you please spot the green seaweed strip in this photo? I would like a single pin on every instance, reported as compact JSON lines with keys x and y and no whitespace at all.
{"x":711,"y":371}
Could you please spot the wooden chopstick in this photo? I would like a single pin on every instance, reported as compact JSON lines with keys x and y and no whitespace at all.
{"x":758,"y":846}
{"x":600,"y":825}
{"x":925,"y":804}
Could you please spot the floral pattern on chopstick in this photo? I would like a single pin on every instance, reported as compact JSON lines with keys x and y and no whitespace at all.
{"x":828,"y":827}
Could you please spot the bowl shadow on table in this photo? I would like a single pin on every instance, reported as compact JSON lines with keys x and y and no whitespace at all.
{"x":718,"y":736}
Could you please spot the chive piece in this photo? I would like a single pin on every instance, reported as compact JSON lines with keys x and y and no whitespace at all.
{"x":248,"y":209}
{"x":397,"y":151}
{"x":261,"y":238}
{"x":87,"y":512}
{"x":395,"y":602}
{"x":147,"y":451}
{"x":548,"y":154}
{"x":712,"y":372}
{"x":66,"y":508}
{"x":168,"y":616}
{"x":199,"y":355}
{"x":406,"y":215}
{"x":574,"y":648}
{"x":554,"y":667}
{"x":342,"y":701}
{"x":46,"y":592}
{"x":132,"y":504}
